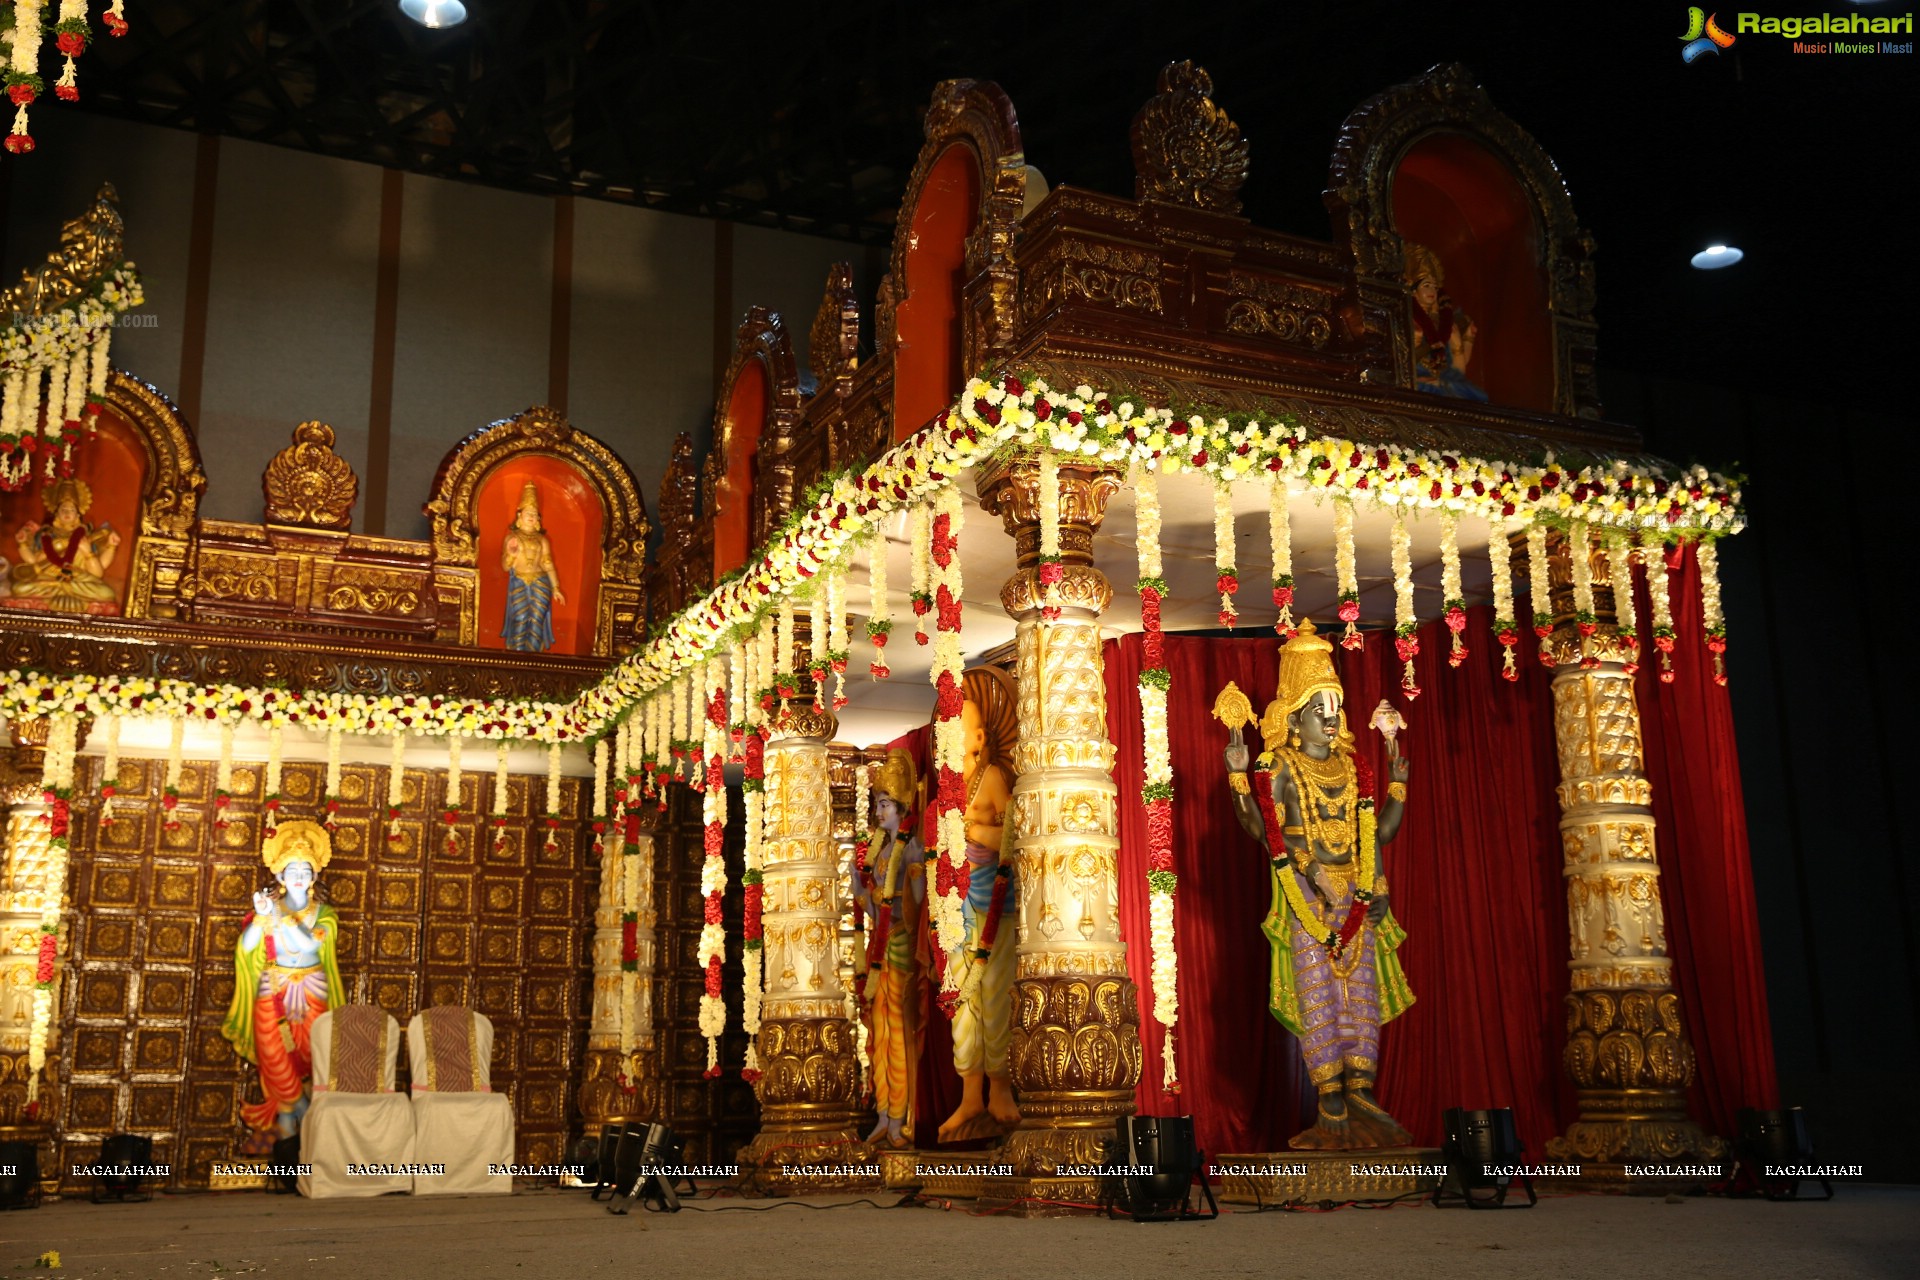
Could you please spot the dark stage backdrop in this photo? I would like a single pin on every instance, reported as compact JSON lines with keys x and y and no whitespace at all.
{"x":1475,"y":877}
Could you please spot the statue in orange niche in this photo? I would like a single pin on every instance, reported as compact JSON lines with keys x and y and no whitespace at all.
{"x":1443,"y":334}
{"x":63,"y":564}
{"x":285,"y":976}
{"x":983,"y":1014}
{"x":892,"y":887}
{"x":533,"y":586}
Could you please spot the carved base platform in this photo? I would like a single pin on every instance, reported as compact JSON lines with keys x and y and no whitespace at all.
{"x":810,"y":1161}
{"x":955,"y":1175}
{"x":1307,"y":1177}
{"x":242,"y":1173}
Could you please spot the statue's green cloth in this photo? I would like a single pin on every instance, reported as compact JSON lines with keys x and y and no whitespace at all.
{"x":250,"y":962}
{"x":1283,"y":997}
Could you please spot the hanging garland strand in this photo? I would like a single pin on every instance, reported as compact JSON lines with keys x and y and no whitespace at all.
{"x":948,"y":737}
{"x":1156,"y":792}
{"x":920,"y":541}
{"x":879,"y":619}
{"x":1653,"y":553}
{"x":1620,"y":575}
{"x":1712,"y":619}
{"x":1226,"y":578}
{"x":1540,"y":592}
{"x":713,"y":870}
{"x":1348,"y":579}
{"x":1280,"y":532}
{"x":1453,"y":597}
{"x":1500,"y":555}
{"x":1406,"y":639}
{"x":1053,"y":569}
{"x":1580,"y":554}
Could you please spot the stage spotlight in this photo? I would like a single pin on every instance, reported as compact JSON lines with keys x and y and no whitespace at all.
{"x":1716,"y":256}
{"x":1777,"y":1139}
{"x":1477,"y":1142}
{"x":19,"y":1175}
{"x":125,"y":1163}
{"x":1162,"y":1148}
{"x":435,"y":14}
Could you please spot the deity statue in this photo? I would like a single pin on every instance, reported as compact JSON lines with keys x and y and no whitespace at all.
{"x":892,"y":887}
{"x":285,"y":976}
{"x":1445,"y":333}
{"x":1310,"y":802}
{"x":533,"y":586}
{"x":64,"y":564}
{"x":983,"y":1012}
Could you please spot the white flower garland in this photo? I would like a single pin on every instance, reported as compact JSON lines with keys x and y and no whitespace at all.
{"x":500,"y":797}
{"x":1653,"y":553}
{"x":1405,"y":622}
{"x":330,"y":798}
{"x":110,"y":771}
{"x":920,"y":581}
{"x":785,"y":654}
{"x":1280,"y":539}
{"x":1500,"y":556}
{"x":1346,"y":575}
{"x":678,"y":728}
{"x":1580,"y":554}
{"x":1050,"y":571}
{"x":1453,"y":600}
{"x":879,"y":613}
{"x":1226,"y":579}
{"x":1620,"y":577}
{"x":396,"y":785}
{"x":1712,"y":620}
{"x":1146,"y":518}
{"x":817,"y":643}
{"x":452,"y":811}
{"x":949,"y":739}
{"x":839,"y":648}
{"x":551,"y":818}
{"x":176,"y":741}
{"x":223,"y":775}
{"x":1540,"y":592}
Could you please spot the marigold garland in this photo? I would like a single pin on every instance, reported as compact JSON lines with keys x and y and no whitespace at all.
{"x":818,"y":663}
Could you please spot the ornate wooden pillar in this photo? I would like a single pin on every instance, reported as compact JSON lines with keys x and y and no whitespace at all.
{"x":810,"y":1078}
{"x":1075,"y":1056}
{"x":622,"y":1081}
{"x":1627,"y":1047}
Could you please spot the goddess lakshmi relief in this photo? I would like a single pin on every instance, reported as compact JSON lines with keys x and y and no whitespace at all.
{"x":533,"y":585}
{"x":62,"y":565}
{"x":1443,"y":334}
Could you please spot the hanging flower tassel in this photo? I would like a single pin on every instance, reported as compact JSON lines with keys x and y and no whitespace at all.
{"x":223,"y":776}
{"x":920,"y":540}
{"x":1580,"y":553}
{"x":1156,"y":792}
{"x":714,"y":812}
{"x":879,"y":620}
{"x":1348,"y":579}
{"x":1406,"y":640}
{"x":451,"y":814}
{"x":1541,"y":592}
{"x":1280,"y":534}
{"x":839,"y":645}
{"x":552,"y":815}
{"x":949,"y":742}
{"x":818,"y":662}
{"x":330,"y":799}
{"x":1500,"y":555}
{"x":602,"y":753}
{"x":1052,"y":570}
{"x":1226,"y":578}
{"x":23,"y":77}
{"x":1451,"y":594}
{"x":1620,"y":574}
{"x":116,"y":20}
{"x":396,"y":783}
{"x":71,"y":36}
{"x":1712,"y":619}
{"x":56,"y":782}
{"x":110,"y":771}
{"x":1653,"y":551}
{"x":753,"y":895}
{"x":500,"y":777}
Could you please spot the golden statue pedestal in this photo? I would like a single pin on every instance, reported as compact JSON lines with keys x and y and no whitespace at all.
{"x":1308,"y":1177}
{"x":241,"y":1173}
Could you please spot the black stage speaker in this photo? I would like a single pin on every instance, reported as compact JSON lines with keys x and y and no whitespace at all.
{"x":285,"y":1161}
{"x":1778,"y":1138}
{"x":1162,"y":1149}
{"x":605,"y":1175}
{"x":1475,"y":1140}
{"x":123,"y":1160}
{"x":19,"y":1175}
{"x":643,"y":1164}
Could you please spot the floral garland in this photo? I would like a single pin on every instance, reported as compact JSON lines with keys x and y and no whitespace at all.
{"x":602,"y":753}
{"x":785,"y":682}
{"x":56,"y":786}
{"x":396,"y":785}
{"x":222,"y":776}
{"x":713,"y":871}
{"x":1500,"y":556}
{"x":1580,"y":551}
{"x":1453,"y":597}
{"x":1540,"y":590}
{"x":1653,"y":553}
{"x":1620,"y":576}
{"x":110,"y":771}
{"x":451,"y":814}
{"x":753,"y":772}
{"x":170,"y":787}
{"x":1406,"y":640}
{"x":818,"y":663}
{"x":1226,"y":577}
{"x":1156,"y":792}
{"x":551,"y":817}
{"x":738,"y":654}
{"x":69,"y":348}
{"x":920,"y":588}
{"x":500,"y":777}
{"x":1714,"y":622}
{"x":879,"y":619}
{"x":1280,"y":536}
{"x":949,"y":739}
{"x":839,"y":647}
{"x":1348,"y":578}
{"x":629,"y":889}
{"x":675,"y":759}
{"x":330,"y":793}
{"x":1053,"y":570}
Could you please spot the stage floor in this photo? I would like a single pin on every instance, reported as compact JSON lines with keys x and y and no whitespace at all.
{"x":1865,"y":1231}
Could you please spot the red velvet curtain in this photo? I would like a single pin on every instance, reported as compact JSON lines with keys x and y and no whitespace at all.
{"x":1475,"y":877}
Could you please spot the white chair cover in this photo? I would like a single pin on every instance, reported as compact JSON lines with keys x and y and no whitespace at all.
{"x":359,"y":1129}
{"x":462,"y":1130}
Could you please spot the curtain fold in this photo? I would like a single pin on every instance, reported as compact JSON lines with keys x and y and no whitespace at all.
{"x":1474,"y":876}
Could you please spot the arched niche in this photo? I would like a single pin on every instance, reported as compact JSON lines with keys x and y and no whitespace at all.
{"x":1433,"y":162}
{"x":748,"y":485}
{"x":143,"y":471}
{"x":590,"y":508}
{"x":947,"y":307}
{"x":1460,"y":200}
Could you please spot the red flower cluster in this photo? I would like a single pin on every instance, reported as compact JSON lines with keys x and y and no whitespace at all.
{"x":949,"y":610}
{"x":49,"y":946}
{"x":1349,"y":611}
{"x":1160,"y":835}
{"x":629,"y":942}
{"x":755,"y":898}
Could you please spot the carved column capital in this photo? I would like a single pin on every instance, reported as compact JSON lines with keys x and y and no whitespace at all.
{"x":1010,"y":489}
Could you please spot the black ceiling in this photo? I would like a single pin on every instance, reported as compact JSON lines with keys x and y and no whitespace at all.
{"x":806,"y":115}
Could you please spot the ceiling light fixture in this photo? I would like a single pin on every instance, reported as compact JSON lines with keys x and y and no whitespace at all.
{"x":435,"y":14}
{"x":1716,"y":256}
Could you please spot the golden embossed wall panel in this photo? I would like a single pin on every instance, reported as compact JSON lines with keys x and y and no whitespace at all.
{"x":156,"y":913}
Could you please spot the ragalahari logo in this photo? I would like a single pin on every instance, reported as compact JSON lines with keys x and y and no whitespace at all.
{"x":1703,"y":35}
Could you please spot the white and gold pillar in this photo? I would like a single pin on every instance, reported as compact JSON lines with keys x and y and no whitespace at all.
{"x":1627,"y":1049}
{"x":1075,"y":1056}
{"x":26,"y":865}
{"x":622,"y":1081}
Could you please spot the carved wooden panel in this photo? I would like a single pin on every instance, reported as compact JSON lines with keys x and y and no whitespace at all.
{"x":156,"y":913}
